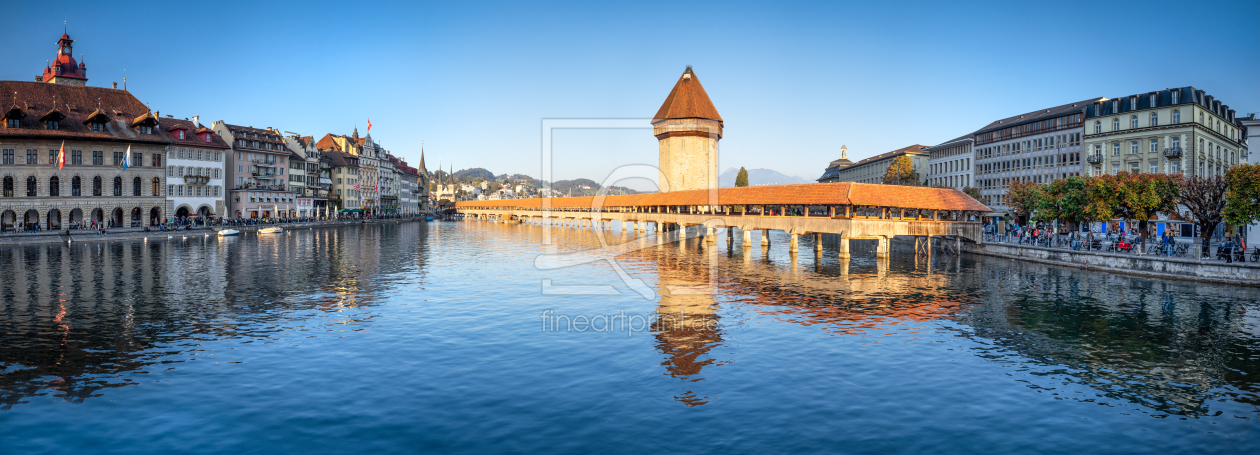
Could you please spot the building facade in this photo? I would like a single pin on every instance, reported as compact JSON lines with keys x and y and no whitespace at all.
{"x":1251,"y":130}
{"x":257,"y":172}
{"x":951,"y":163}
{"x":832,"y":173}
{"x":1173,"y":131}
{"x":1039,"y":146}
{"x":195,"y":174}
{"x":873,"y":169}
{"x":97,"y":127}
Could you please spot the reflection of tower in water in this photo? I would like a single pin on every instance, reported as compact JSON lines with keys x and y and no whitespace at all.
{"x":686,"y":328}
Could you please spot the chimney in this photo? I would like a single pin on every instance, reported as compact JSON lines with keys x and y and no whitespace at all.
{"x":115,"y":86}
{"x":39,"y":78}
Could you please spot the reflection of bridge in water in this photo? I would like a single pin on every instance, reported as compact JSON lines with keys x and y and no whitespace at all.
{"x":851,"y":210}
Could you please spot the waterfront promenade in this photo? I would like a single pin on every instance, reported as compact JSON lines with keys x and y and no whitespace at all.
{"x":60,"y":236}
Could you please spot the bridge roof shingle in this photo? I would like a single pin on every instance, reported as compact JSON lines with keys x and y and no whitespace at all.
{"x":842,"y":193}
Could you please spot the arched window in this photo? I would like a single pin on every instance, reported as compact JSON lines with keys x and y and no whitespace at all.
{"x":96,"y":186}
{"x":1115,"y":124}
{"x":1154,"y":119}
{"x":135,"y":186}
{"x":1176,"y":115}
{"x":30,"y":186}
{"x":76,"y":186}
{"x":1097,"y":126}
{"x":117,"y":186}
{"x":1133,"y":121}
{"x":8,"y":187}
{"x":157,"y":186}
{"x":54,"y":186}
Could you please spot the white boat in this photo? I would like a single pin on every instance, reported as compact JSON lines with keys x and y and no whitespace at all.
{"x":270,"y":230}
{"x":227,"y":232}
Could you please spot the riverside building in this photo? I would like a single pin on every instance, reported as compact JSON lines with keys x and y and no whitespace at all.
{"x":1039,"y":146}
{"x":194,"y":169}
{"x":950,"y":164}
{"x":256,"y":170}
{"x":873,"y":169}
{"x":1172,"y":131}
{"x":96,"y":126}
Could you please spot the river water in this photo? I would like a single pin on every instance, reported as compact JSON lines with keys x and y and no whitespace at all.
{"x":477,"y":337}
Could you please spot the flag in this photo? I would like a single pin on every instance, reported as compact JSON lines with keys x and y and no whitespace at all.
{"x":369,"y":125}
{"x":127,"y":157}
{"x":61,"y":157}
{"x":356,"y":186}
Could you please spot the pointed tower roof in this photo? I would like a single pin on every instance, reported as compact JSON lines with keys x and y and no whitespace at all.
{"x":687,"y":100}
{"x":422,"y":168}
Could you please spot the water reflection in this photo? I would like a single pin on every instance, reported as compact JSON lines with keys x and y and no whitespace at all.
{"x":81,"y":318}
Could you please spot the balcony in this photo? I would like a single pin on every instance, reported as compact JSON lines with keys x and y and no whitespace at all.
{"x":1172,"y":152}
{"x":196,"y":179}
{"x":1094,"y":159}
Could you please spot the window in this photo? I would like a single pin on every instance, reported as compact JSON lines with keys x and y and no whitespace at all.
{"x":117,"y":186}
{"x":8,"y":156}
{"x":1133,"y":120}
{"x":31,"y":186}
{"x":1154,"y":167}
{"x":1115,"y":124}
{"x":1176,"y":115}
{"x":76,"y":157}
{"x":1176,"y":142}
{"x":32,"y":156}
{"x":96,"y":186}
{"x":181,"y":135}
{"x":54,"y":186}
{"x":137,"y":159}
{"x":76,"y":186}
{"x":98,"y":158}
{"x":1154,"y":146}
{"x":14,"y":123}
{"x":53,"y":125}
{"x":1152,"y":100}
{"x":118,"y":157}
{"x":145,"y":129}
{"x":157,"y":186}
{"x":135,"y":186}
{"x":1176,"y":166}
{"x":216,"y":156}
{"x":1133,"y":147}
{"x":199,"y":154}
{"x":206,"y":136}
{"x":1154,"y":119}
{"x":157,"y":160}
{"x":1133,"y":103}
{"x":1176,"y":98}
{"x":52,"y":156}
{"x":1115,"y":149}
{"x":180,"y":189}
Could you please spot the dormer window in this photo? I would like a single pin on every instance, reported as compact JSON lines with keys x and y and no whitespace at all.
{"x":98,"y":127}
{"x":146,"y":129}
{"x":13,"y":123}
{"x":1152,"y":100}
{"x":180,"y":134}
{"x":1133,"y":103}
{"x":53,"y":124}
{"x":1176,"y":97}
{"x":206,"y":137}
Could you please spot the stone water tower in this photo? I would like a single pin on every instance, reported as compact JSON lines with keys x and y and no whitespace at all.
{"x":687,"y":128}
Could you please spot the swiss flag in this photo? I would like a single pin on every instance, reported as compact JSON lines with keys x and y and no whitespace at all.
{"x":369,"y":125}
{"x":61,"y":157}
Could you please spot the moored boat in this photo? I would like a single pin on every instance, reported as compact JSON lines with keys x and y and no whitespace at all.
{"x":227,"y":232}
{"x":270,"y":230}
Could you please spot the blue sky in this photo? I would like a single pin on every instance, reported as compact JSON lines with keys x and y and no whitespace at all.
{"x":793,"y":81}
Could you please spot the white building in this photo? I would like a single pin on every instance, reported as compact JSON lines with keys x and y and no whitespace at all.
{"x":194,"y":169}
{"x":951,"y":164}
{"x":1252,"y":130}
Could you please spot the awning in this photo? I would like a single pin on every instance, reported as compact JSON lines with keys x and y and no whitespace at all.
{"x":349,"y":211}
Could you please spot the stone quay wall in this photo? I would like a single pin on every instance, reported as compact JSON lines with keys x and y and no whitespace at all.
{"x":1216,"y":271}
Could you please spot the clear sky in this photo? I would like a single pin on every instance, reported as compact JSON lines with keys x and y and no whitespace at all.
{"x":793,"y":81}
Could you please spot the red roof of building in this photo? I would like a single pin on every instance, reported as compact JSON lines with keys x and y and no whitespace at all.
{"x":842,"y":193}
{"x":687,"y":100}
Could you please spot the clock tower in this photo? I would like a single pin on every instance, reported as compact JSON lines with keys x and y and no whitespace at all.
{"x":64,"y":69}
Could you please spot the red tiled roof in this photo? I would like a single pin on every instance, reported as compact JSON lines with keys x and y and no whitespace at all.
{"x":77,"y":103}
{"x":687,"y":100}
{"x":843,"y":193}
{"x":192,"y":137}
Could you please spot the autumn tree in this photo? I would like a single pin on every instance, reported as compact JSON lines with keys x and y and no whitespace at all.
{"x":1064,"y":200}
{"x":1141,"y":196}
{"x":1204,"y":197}
{"x":973,"y":192}
{"x":1242,"y":196}
{"x":1022,"y":197}
{"x":741,"y":179}
{"x":901,"y":172}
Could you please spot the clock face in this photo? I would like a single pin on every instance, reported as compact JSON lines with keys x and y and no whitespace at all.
{"x":65,"y":50}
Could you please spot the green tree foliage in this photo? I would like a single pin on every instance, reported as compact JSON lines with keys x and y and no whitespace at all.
{"x":973,"y":192}
{"x":1064,"y":200}
{"x":1023,"y":197}
{"x":741,"y":179}
{"x":1242,"y":198}
{"x":901,"y":172}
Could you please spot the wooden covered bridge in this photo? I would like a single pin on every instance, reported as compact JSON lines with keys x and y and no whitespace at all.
{"x":850,"y":210}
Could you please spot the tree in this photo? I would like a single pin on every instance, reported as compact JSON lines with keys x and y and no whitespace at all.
{"x":1064,"y":200}
{"x":741,"y":179}
{"x":1140,"y":196}
{"x":1242,"y":196}
{"x":973,"y":192}
{"x":901,"y":172}
{"x":1023,"y":196}
{"x":1204,"y":197}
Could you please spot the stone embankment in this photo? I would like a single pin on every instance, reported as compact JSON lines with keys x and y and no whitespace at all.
{"x":137,"y":233}
{"x":1216,"y":271}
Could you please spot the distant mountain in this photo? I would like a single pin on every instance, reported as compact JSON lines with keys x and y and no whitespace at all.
{"x":474,"y":173}
{"x":759,"y":177}
{"x":576,"y":187}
